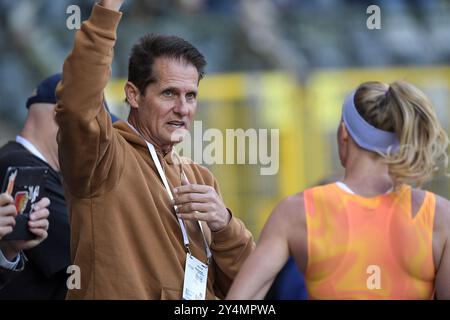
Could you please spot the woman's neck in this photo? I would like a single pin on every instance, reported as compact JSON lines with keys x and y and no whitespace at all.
{"x":368,"y":175}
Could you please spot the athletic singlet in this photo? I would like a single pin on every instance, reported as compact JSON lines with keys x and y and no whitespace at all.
{"x":368,"y":248}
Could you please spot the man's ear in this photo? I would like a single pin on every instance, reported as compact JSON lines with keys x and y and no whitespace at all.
{"x":132,"y":93}
{"x":344,"y":132}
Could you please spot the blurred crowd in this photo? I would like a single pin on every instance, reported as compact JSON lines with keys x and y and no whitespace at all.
{"x":295,"y":35}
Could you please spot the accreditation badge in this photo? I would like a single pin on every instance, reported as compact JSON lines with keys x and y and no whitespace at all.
{"x":195,"y":278}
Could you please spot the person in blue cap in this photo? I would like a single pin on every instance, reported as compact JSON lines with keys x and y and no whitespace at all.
{"x":44,"y":275}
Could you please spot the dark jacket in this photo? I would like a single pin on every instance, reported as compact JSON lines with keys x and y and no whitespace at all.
{"x":44,"y":276}
{"x":7,"y":275}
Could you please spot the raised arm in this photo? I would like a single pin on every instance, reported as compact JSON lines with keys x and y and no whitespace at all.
{"x":271,"y":253}
{"x":85,"y":128}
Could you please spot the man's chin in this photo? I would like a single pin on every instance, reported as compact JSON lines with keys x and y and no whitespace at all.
{"x":178,"y":135}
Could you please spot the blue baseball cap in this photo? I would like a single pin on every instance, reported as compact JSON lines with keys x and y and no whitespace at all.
{"x":45,"y":91}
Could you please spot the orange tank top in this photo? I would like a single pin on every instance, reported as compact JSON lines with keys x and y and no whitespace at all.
{"x":368,"y":248}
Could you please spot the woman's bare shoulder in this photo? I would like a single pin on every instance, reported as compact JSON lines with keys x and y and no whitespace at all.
{"x":289,"y":211}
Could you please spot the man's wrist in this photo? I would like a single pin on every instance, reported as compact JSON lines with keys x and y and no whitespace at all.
{"x":9,"y":252}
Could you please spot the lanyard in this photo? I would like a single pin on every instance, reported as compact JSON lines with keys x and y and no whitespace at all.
{"x":208,"y":250}
{"x":155,"y":158}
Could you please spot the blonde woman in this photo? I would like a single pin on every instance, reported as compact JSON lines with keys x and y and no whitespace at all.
{"x":371,"y":235}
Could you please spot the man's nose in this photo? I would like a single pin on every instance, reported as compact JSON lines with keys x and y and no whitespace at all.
{"x":182,"y":107}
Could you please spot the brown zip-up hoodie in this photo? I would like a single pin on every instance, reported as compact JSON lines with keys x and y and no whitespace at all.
{"x":125,"y":235}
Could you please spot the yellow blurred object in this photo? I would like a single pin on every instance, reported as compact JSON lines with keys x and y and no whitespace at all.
{"x":307,"y":116}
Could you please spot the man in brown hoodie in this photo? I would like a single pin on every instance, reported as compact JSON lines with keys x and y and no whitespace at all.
{"x":128,"y":224}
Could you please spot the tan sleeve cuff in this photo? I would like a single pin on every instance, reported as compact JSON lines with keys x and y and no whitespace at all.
{"x":231,"y":231}
{"x":105,"y":18}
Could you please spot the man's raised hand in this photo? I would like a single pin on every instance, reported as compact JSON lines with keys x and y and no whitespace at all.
{"x":111,"y":4}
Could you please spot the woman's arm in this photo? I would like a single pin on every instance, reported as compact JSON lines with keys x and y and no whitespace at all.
{"x":271,"y":253}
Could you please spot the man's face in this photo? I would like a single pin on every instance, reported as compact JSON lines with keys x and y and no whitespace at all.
{"x":169,"y":103}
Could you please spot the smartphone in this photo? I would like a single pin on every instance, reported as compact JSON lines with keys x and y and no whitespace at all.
{"x":26,"y":186}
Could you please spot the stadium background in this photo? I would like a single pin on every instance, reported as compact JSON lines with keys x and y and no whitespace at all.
{"x":282,"y":64}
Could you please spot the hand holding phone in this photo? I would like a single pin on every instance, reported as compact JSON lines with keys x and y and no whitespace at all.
{"x":37,"y":225}
{"x":25,"y":185}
